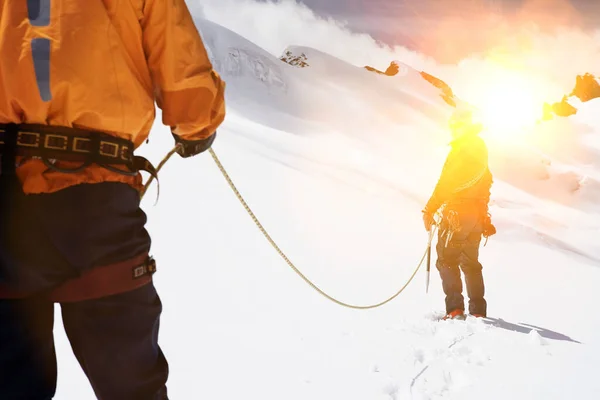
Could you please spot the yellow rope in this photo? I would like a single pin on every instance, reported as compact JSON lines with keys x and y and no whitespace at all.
{"x":276,"y":247}
{"x":293,"y":267}
{"x":162,"y":163}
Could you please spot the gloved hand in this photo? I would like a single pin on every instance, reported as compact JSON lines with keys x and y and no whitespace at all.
{"x":191,"y":148}
{"x":428,"y":220}
{"x":488,"y":228}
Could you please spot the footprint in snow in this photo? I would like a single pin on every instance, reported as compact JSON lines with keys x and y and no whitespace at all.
{"x":392,"y":391}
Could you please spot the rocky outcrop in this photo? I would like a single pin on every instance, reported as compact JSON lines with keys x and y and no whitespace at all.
{"x":586,"y":88}
{"x":300,"y":61}
{"x":392,"y":70}
{"x":561,"y":109}
{"x":447,"y":93}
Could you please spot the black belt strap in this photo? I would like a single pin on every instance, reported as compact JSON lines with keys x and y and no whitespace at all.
{"x":69,"y":144}
{"x":8,"y":150}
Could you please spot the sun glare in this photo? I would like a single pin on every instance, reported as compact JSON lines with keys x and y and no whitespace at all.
{"x":507,"y":102}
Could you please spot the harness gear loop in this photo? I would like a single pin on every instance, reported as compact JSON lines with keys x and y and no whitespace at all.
{"x":450,"y":222}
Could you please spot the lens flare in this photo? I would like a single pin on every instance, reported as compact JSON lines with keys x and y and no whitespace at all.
{"x":507,"y":102}
{"x":509,"y":105}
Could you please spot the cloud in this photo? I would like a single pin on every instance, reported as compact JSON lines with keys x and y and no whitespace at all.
{"x":550,"y":59}
{"x":550,"y":55}
{"x":276,"y":25}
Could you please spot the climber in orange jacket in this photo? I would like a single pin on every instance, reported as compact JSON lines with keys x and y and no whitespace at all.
{"x":462,"y":193}
{"x":79,"y":81}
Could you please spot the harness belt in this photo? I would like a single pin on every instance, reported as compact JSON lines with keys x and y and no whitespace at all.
{"x":51,"y":143}
{"x":98,"y":282}
{"x":106,"y":281}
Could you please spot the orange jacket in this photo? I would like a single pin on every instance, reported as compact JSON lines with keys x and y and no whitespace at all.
{"x":465,"y":180}
{"x":102,"y":65}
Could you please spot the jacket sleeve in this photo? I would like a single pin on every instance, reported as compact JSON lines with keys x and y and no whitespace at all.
{"x":464,"y":167}
{"x":442,"y":188}
{"x":188,"y":90}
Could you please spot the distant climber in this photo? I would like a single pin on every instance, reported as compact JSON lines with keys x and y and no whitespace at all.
{"x":462,"y":195}
{"x":79,"y":81}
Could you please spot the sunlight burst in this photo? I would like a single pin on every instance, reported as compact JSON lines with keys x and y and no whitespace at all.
{"x":508,"y":103}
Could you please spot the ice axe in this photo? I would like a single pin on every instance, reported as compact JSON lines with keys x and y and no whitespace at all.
{"x":428,"y":271}
{"x":428,"y":261}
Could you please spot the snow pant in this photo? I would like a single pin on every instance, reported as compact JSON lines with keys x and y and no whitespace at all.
{"x":49,"y":239}
{"x":115,"y":340}
{"x":461,"y":252}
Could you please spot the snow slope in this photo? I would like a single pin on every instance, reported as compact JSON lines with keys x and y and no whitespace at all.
{"x":337,"y":163}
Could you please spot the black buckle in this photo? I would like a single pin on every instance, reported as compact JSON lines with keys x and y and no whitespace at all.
{"x":147,"y":268}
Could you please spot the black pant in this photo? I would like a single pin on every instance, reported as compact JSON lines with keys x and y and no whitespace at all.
{"x":47,"y":239}
{"x":462,"y":250}
{"x":115,"y":340}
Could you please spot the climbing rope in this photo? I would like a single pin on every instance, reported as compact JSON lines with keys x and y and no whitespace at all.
{"x":293,"y":267}
{"x":284,"y":256}
{"x":162,"y":163}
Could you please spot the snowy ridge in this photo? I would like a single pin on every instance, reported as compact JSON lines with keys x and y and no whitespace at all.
{"x":235,"y":57}
{"x":407,"y":80}
{"x":381,"y":108}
